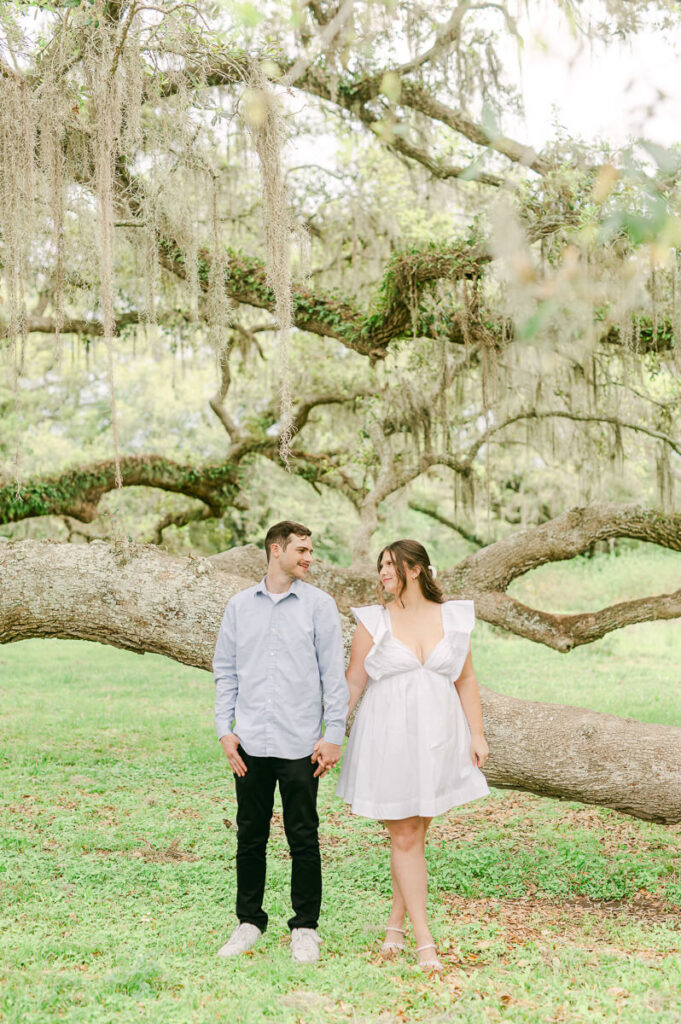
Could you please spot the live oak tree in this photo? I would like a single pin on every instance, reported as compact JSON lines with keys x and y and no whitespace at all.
{"x":397,"y":298}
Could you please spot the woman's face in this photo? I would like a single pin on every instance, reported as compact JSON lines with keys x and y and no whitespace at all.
{"x":387,"y":574}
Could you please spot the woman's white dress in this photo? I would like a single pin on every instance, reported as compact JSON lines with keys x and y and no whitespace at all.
{"x":409,"y":749}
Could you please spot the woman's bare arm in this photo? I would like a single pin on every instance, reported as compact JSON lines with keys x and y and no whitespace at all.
{"x":356,"y":674}
{"x":469,"y":694}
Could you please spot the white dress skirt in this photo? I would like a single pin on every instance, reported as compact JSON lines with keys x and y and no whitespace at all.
{"x":409,"y":748}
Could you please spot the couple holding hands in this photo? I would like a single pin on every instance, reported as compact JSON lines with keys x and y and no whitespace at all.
{"x":415,"y":750}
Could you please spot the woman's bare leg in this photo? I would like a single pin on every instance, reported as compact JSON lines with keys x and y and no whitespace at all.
{"x":399,"y":907}
{"x":410,"y":878}
{"x":394,"y":928}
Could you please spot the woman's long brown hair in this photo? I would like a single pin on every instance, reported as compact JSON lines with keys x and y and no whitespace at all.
{"x":409,"y":554}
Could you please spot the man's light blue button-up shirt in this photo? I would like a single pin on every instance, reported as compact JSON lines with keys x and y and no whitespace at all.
{"x":275,"y":663}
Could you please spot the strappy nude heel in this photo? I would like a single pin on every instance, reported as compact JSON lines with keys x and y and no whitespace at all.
{"x":429,"y":965}
{"x":390,"y":948}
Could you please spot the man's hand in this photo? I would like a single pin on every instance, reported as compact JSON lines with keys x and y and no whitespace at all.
{"x":230,"y":745}
{"x":327,"y":755}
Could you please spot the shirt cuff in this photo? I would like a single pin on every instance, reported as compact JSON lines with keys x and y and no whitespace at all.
{"x":223,"y":728}
{"x":335,"y":734}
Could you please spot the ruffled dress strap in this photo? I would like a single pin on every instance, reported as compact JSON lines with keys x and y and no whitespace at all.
{"x":458,"y":617}
{"x":372,"y":617}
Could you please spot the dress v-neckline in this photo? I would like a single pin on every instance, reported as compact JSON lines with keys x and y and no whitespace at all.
{"x":411,"y":649}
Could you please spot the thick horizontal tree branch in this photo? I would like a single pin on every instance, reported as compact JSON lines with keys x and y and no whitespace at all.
{"x":587,"y":627}
{"x":484,"y":575}
{"x":140,"y":599}
{"x":369,"y":333}
{"x":556,"y":750}
{"x":77,"y":492}
{"x":75,"y":325}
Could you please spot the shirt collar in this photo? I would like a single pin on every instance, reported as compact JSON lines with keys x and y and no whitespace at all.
{"x":293,"y":589}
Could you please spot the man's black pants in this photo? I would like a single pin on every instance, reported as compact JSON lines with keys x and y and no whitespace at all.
{"x":255,"y":800}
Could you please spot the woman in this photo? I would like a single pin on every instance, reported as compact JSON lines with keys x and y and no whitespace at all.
{"x":417,"y":744}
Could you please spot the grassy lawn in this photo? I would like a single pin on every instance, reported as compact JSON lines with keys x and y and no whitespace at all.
{"x":117,"y":854}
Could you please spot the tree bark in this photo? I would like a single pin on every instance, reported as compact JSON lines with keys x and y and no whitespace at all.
{"x":484,"y":575}
{"x":577,"y":754}
{"x":138,"y":598}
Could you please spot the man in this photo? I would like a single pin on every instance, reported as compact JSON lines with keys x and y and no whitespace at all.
{"x":279,"y":654}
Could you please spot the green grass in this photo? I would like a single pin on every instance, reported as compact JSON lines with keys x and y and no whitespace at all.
{"x":117,"y":852}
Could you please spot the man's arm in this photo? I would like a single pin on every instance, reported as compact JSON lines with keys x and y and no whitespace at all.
{"x":329,"y":648}
{"x":226,"y":688}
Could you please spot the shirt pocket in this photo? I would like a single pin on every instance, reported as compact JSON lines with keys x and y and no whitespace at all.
{"x":298,"y":647}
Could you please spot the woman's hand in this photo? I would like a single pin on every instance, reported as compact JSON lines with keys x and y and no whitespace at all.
{"x":479,"y":750}
{"x":326,"y":755}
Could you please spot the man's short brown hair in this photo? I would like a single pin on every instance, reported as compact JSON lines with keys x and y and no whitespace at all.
{"x":280,"y":533}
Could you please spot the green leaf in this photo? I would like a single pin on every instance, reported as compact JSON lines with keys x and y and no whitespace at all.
{"x":667,"y":160}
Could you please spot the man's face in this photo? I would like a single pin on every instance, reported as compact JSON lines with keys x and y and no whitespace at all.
{"x":296,"y":558}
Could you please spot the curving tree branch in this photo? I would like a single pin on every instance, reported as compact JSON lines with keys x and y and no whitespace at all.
{"x":180,"y":519}
{"x":569,"y":534}
{"x":418,"y":98}
{"x":433,"y":513}
{"x":329,"y":316}
{"x":566,"y":414}
{"x":217,"y":401}
{"x":394,"y":138}
{"x":565,"y":632}
{"x":78,"y":492}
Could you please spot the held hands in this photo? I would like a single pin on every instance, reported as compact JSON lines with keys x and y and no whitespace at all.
{"x":230,"y":745}
{"x":326,"y":755}
{"x":479,"y":750}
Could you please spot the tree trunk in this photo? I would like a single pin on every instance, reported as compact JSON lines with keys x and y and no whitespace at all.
{"x":138,"y":598}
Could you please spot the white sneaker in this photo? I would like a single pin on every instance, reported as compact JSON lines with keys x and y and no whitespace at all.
{"x":305,"y":945}
{"x":243,"y":938}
